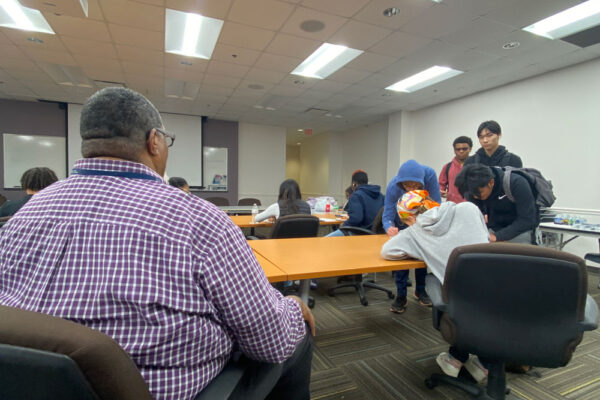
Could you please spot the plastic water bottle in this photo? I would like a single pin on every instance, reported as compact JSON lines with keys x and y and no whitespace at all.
{"x":558,"y":219}
{"x":254,"y":212}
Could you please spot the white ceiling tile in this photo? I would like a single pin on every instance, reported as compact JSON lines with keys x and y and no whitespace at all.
{"x":152,"y":2}
{"x":225,"y":81}
{"x":32,"y":77}
{"x":82,"y":28}
{"x":277,"y":62}
{"x":94,"y":11}
{"x":331,"y":23}
{"x":17,"y":63}
{"x":12,"y":51}
{"x":187,"y":63}
{"x":227,"y":69}
{"x":330,"y":86}
{"x":478,"y":32}
{"x":292,"y":46}
{"x":300,"y":82}
{"x":359,"y":90}
{"x":86,"y":61}
{"x":214,"y":89}
{"x":137,"y":37}
{"x":135,"y":15}
{"x":264,"y":75}
{"x":409,"y":10}
{"x":142,"y":69}
{"x":108,"y":75}
{"x":182,"y":74}
{"x":359,"y":35}
{"x":23,"y":39}
{"x":47,"y":91}
{"x":286,"y":91}
{"x":347,"y":75}
{"x":526,"y":40}
{"x":371,"y":62}
{"x":245,"y":36}
{"x":49,"y":56}
{"x":209,"y":8}
{"x":267,"y":14}
{"x":400,"y":44}
{"x":235,"y":55}
{"x":139,"y":55}
{"x":252,"y":87}
{"x":522,"y":13}
{"x":438,"y":21}
{"x":345,"y":8}
{"x":89,"y":47}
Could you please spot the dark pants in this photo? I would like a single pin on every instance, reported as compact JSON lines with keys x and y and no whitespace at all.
{"x":288,"y":380}
{"x":459,"y":355}
{"x":402,"y":278}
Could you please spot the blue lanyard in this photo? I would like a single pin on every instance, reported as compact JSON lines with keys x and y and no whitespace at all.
{"x":123,"y":174}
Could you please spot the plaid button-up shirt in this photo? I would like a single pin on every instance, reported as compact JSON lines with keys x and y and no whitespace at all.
{"x":167,"y":275}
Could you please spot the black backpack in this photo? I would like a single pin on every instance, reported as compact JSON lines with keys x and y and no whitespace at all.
{"x":540,"y":186}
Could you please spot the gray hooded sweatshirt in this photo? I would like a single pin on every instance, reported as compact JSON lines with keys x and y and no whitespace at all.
{"x":436,"y":233}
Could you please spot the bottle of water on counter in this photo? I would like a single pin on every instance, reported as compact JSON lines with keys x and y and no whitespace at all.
{"x":254,"y":212}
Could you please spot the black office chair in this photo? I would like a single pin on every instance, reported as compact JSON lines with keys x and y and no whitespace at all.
{"x":248,"y":201}
{"x":358,"y":283}
{"x":295,"y":226}
{"x":218,"y":201}
{"x":511,"y":303}
{"x":4,"y":220}
{"x":2,"y":199}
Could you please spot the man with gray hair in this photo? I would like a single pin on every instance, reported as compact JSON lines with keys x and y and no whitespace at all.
{"x":167,"y":275}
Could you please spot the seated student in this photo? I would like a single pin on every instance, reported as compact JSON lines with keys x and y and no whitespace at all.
{"x":507,"y":221}
{"x":364,"y":204}
{"x":32,"y":181}
{"x":411,"y":176}
{"x":169,"y":276}
{"x":431,"y":236}
{"x":179,"y":183}
{"x":349,"y":190}
{"x":289,"y":202}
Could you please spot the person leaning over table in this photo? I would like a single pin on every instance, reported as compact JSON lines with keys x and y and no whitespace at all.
{"x":411,"y":176}
{"x":289,"y":202}
{"x":167,"y":275}
{"x":433,"y":232}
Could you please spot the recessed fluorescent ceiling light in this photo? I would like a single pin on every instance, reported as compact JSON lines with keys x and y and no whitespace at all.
{"x":569,"y":21}
{"x":423,"y":79}
{"x":14,"y":15}
{"x":191,"y":35}
{"x":326,"y":60}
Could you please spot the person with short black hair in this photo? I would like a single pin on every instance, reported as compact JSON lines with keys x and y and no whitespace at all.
{"x":491,"y":153}
{"x":179,"y":183}
{"x":462,"y":146}
{"x":507,"y":221}
{"x":363,"y":205}
{"x":32,"y":181}
{"x":170,"y":277}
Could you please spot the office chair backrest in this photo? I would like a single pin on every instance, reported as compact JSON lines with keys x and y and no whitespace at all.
{"x":2,"y":199}
{"x":378,"y":222}
{"x":516,"y":303}
{"x":218,"y":201}
{"x":355,"y":231}
{"x":295,"y":226}
{"x":46,"y":357}
{"x":248,"y":201}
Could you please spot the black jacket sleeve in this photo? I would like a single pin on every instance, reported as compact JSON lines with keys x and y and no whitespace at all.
{"x":527,"y":213}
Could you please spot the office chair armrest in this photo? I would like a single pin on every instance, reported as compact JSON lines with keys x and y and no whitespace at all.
{"x":434,"y":289}
{"x":355,"y":230}
{"x":252,"y":238}
{"x":590,"y":320}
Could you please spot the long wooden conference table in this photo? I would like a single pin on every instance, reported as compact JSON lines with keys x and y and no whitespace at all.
{"x":245,"y":221}
{"x":321,"y":257}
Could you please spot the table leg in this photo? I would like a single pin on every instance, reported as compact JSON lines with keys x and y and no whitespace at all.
{"x":304,"y":289}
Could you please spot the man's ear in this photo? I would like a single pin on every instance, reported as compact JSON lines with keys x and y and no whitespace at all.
{"x":491,"y":184}
{"x":152,"y":143}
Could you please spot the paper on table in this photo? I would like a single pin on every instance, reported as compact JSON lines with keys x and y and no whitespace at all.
{"x":327,"y":219}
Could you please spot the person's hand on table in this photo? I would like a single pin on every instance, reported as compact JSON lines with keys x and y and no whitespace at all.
{"x":493,"y":238}
{"x":392,"y":231}
{"x":306,"y":314}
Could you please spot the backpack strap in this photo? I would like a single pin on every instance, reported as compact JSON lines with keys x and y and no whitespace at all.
{"x":506,"y":182}
{"x":447,"y":172}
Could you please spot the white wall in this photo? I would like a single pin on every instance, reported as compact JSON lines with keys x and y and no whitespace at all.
{"x":292,"y":162}
{"x":314,"y":166}
{"x":550,"y":121}
{"x":261,"y":161}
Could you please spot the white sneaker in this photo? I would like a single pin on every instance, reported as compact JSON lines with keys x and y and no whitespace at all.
{"x":450,"y":365}
{"x":477,"y":371}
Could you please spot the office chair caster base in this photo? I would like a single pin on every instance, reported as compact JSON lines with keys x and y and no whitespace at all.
{"x":391,"y":295}
{"x":311,"y":302}
{"x":364,"y":302}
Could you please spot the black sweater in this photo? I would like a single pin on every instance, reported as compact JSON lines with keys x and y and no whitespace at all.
{"x":505,"y":218}
{"x":500,"y":158}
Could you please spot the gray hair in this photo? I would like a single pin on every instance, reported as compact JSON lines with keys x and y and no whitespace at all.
{"x":115,"y":122}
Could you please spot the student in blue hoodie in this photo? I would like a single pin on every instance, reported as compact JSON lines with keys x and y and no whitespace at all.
{"x":364,"y":203}
{"x":411,"y":176}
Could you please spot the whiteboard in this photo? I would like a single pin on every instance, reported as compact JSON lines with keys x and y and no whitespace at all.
{"x":185,"y":157}
{"x":22,"y":152}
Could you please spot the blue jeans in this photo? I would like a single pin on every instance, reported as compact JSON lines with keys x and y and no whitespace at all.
{"x":402,"y":277}
{"x":337,"y":232}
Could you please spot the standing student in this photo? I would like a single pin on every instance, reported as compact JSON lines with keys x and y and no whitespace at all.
{"x":491,"y":153}
{"x":462,"y":146}
{"x":411,"y":176}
